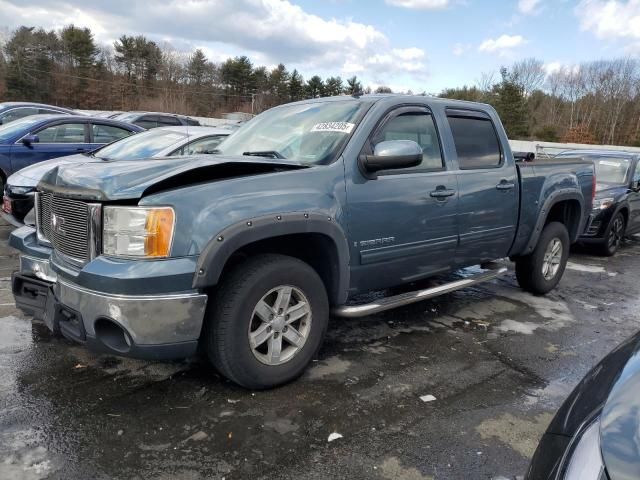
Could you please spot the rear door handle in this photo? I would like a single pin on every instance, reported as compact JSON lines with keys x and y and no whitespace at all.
{"x":505,"y":185}
{"x":442,"y":193}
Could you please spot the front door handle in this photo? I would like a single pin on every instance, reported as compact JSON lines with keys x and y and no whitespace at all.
{"x":442,"y":193}
{"x":505,"y":185}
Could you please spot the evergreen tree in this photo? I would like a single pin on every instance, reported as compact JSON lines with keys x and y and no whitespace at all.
{"x":296,"y":86}
{"x":511,"y":105}
{"x":354,"y":87}
{"x":333,"y":86}
{"x":314,"y":87}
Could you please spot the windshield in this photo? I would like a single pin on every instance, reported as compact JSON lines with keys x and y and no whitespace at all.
{"x":611,"y":170}
{"x":141,"y":145}
{"x":125,"y":117}
{"x":311,"y":133}
{"x":17,"y":127}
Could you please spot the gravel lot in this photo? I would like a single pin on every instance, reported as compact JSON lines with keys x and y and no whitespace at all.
{"x":497,"y":360}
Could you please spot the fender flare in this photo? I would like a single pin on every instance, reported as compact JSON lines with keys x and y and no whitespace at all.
{"x":553,"y":199}
{"x":223,"y":245}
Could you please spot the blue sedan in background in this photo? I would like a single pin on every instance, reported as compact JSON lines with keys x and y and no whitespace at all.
{"x":42,"y":137}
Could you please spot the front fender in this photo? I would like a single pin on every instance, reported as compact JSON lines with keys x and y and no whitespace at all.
{"x":218,"y":251}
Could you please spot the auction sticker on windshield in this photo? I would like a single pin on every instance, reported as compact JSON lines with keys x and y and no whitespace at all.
{"x":340,"y":127}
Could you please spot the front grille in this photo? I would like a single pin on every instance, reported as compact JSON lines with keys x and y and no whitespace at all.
{"x":65,"y":224}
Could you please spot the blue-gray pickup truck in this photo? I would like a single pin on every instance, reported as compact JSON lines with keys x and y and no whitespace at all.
{"x":246,"y":253}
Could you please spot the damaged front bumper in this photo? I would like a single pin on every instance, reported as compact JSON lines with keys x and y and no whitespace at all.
{"x":149,"y":326}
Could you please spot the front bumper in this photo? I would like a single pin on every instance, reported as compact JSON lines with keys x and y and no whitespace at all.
{"x":162,"y":326}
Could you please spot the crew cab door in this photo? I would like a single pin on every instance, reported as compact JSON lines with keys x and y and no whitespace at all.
{"x":402,"y":223}
{"x":488,"y":186}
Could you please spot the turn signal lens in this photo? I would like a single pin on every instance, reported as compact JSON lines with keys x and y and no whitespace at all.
{"x":159,"y":229}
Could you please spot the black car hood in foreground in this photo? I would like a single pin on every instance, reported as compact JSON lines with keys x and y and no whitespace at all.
{"x":125,"y":180}
{"x":620,"y":424}
{"x":604,"y":190}
{"x":610,"y":391}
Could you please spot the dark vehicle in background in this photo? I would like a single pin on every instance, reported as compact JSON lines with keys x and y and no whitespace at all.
{"x":150,"y":120}
{"x":10,"y":111}
{"x":594,"y":435}
{"x":156,"y":143}
{"x":42,"y":137}
{"x":303,"y":208}
{"x":616,"y":208}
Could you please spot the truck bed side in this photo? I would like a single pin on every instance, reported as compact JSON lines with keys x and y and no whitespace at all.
{"x":552,"y":190}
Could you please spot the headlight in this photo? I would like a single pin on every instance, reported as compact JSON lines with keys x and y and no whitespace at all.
{"x":603,"y":203}
{"x":586,"y":460}
{"x":138,"y":231}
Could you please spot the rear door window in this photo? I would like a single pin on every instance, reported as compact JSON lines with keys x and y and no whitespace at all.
{"x":476,"y":142}
{"x":107,"y":133}
{"x":167,"y":121}
{"x":147,"y":121}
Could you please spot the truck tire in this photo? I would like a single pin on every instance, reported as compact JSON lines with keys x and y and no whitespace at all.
{"x":541,"y":270}
{"x":613,"y":236}
{"x":266,"y":321}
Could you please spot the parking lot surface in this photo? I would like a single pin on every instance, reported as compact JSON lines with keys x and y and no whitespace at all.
{"x":497,"y":360}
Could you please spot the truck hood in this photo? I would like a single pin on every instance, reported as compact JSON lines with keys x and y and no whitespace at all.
{"x":31,"y":175}
{"x":131,"y":180}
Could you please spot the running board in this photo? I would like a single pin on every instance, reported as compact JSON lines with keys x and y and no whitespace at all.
{"x":353,"y":311}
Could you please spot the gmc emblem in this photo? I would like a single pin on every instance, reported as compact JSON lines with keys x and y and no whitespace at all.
{"x":57,"y":224}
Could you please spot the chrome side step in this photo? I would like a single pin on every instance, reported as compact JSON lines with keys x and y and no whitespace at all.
{"x":353,"y":311}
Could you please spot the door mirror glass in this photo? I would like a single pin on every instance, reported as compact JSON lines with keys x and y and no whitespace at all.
{"x":29,"y":139}
{"x":393,"y":154}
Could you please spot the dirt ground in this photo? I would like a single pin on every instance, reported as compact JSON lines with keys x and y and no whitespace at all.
{"x":497,"y":360}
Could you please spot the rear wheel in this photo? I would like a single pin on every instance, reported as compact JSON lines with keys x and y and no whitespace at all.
{"x":266,"y":321}
{"x":613,"y":236}
{"x":540,"y":271}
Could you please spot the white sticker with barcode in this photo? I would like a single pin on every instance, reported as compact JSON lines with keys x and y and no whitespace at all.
{"x":340,"y":127}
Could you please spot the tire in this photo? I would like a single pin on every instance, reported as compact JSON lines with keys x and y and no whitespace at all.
{"x":232,"y":318}
{"x":529,"y":268}
{"x":613,"y":236}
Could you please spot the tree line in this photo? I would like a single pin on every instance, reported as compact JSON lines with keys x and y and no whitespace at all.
{"x":68,"y":67}
{"x":592,"y":102}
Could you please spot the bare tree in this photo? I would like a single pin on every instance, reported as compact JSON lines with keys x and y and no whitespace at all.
{"x":529,"y":74}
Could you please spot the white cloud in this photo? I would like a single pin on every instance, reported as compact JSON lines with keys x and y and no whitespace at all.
{"x":610,"y":18}
{"x":501,"y":44}
{"x":552,"y":67}
{"x":268,"y":31}
{"x":460,"y":49}
{"x":528,"y":7}
{"x":419,"y":4}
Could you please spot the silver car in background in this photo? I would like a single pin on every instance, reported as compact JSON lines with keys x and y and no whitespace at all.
{"x":159,"y":142}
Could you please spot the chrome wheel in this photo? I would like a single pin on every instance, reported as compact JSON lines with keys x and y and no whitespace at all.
{"x":552,"y":259}
{"x":280,"y":325}
{"x":616,"y":233}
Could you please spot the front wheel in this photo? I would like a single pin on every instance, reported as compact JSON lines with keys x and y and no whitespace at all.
{"x":267,"y":321}
{"x":614,"y":235}
{"x":540,"y":271}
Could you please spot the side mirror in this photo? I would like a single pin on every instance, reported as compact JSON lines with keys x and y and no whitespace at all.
{"x":29,"y":139}
{"x":392,"y":154}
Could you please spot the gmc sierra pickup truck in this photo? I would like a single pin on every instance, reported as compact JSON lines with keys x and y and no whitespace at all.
{"x":246,"y":253}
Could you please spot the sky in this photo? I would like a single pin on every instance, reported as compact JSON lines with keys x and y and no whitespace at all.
{"x":421,"y":45}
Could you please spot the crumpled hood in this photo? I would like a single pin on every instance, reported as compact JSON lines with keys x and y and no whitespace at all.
{"x":126,"y":180}
{"x":31,"y":175}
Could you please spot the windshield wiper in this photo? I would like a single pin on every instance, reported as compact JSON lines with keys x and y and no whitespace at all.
{"x":264,"y":153}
